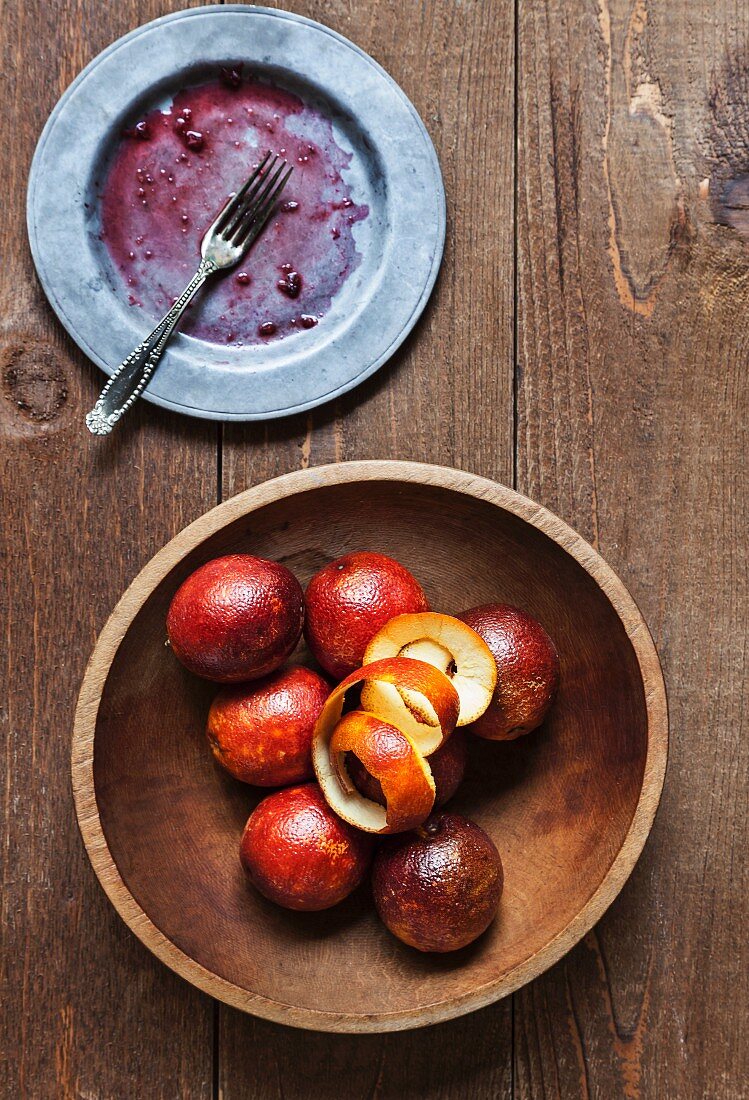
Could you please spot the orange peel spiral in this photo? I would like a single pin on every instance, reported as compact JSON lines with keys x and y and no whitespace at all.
{"x":396,"y":756}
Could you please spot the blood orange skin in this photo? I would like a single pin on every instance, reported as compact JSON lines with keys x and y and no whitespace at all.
{"x":438,"y":888}
{"x":236,"y":618}
{"x":349,"y":600}
{"x":527,"y":670}
{"x":261,"y":732}
{"x":299,"y":854}
{"x":447,"y":764}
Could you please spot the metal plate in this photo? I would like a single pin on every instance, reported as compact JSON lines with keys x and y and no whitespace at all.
{"x":394,"y":169}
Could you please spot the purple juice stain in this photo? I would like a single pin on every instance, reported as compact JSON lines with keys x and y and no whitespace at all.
{"x":165,"y":187}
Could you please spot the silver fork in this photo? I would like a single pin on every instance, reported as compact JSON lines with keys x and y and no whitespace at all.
{"x":225,"y":242}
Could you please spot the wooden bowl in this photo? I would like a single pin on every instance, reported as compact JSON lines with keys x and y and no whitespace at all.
{"x":569,"y":806}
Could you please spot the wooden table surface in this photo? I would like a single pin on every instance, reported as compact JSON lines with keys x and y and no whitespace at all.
{"x":587,"y":344}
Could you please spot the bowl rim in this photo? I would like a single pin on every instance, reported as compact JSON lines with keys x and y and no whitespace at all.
{"x":243,"y":504}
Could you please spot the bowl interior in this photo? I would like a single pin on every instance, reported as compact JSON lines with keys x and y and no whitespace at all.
{"x":558,"y":803}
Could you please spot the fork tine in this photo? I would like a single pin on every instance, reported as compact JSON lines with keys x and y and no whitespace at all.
{"x":252,"y":229}
{"x":247,"y":195}
{"x":251,"y":205}
{"x":234,"y":201}
{"x":256,"y":218}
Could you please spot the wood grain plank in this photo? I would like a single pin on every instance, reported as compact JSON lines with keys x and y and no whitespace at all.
{"x":445,"y":397}
{"x":87,"y":1012}
{"x":632,"y":263}
{"x":455,"y":63}
{"x":464,"y":1059}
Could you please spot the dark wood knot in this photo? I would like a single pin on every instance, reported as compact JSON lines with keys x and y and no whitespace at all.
{"x":34,"y":381}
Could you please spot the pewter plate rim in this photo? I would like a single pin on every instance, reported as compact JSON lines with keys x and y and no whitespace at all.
{"x":358,"y":343}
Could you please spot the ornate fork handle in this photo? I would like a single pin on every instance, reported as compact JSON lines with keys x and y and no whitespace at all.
{"x":130,"y":379}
